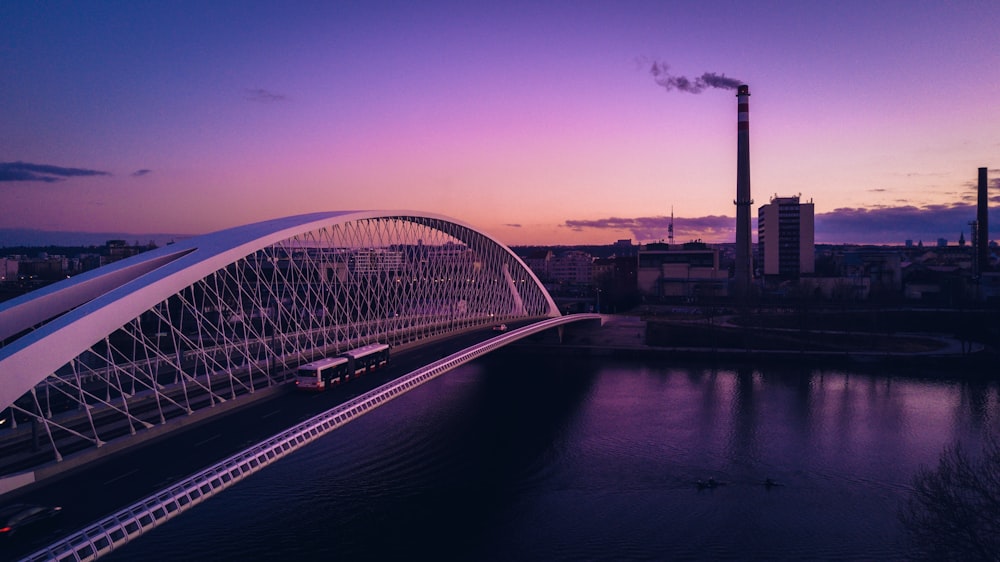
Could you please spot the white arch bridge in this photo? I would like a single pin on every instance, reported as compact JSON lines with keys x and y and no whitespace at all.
{"x":126,"y":348}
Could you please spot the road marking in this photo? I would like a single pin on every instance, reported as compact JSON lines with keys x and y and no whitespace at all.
{"x":203,"y":441}
{"x":126,"y":475}
{"x":269,"y":415}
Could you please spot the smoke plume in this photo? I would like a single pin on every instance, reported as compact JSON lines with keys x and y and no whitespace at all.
{"x":661,"y":74}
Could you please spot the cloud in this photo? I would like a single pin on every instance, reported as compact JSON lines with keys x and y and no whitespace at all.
{"x":894,"y":225}
{"x":877,"y":190}
{"x":712,"y":227}
{"x":24,"y":171}
{"x":512,"y":225}
{"x":261,"y":95}
{"x":874,"y":225}
{"x":142,"y":172}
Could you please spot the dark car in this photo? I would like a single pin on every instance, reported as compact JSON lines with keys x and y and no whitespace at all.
{"x":18,"y":516}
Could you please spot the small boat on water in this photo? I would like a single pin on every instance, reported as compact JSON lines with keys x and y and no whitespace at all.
{"x":711,"y":483}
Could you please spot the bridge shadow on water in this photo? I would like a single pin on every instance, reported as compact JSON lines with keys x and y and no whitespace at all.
{"x":502,"y":437}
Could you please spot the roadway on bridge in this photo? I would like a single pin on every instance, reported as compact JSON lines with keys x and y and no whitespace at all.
{"x":96,"y":490}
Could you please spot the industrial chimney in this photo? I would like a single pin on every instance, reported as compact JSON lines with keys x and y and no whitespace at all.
{"x":982,"y":242}
{"x":744,"y":255}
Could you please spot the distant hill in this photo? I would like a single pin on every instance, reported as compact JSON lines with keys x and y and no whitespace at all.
{"x":25,"y":237}
{"x":597,"y":251}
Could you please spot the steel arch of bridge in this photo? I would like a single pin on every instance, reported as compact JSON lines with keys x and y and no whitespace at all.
{"x":211,"y":319}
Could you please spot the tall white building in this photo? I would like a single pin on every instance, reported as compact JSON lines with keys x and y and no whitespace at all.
{"x":786,"y":237}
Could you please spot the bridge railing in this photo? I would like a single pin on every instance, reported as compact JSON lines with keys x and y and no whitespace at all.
{"x":129,"y":523}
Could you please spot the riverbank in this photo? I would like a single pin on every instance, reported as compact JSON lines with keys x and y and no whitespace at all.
{"x":724,"y":341}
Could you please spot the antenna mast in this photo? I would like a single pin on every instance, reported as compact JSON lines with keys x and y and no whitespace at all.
{"x":670,"y":228}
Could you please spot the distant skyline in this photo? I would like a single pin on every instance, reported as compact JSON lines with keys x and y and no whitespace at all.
{"x":538,"y":122}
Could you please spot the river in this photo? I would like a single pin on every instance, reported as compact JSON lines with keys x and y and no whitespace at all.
{"x":518,"y":457}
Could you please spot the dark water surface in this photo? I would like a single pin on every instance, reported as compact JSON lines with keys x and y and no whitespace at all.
{"x":521,"y":458}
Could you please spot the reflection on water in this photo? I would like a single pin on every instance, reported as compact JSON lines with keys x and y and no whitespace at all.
{"x":528,"y":459}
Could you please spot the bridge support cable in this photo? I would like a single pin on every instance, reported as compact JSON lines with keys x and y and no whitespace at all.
{"x":129,"y":523}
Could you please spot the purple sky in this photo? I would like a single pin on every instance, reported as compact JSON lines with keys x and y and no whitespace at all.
{"x":538,"y":122}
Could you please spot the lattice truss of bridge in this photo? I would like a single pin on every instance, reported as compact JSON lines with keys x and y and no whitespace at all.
{"x":135,"y":344}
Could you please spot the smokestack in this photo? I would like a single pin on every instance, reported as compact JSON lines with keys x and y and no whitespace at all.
{"x":744,"y":256}
{"x":982,"y":227}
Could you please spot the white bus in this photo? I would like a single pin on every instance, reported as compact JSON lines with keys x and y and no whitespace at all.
{"x":367,"y":358}
{"x":320,"y":374}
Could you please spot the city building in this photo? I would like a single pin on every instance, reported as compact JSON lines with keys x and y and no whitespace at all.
{"x":376,"y":260}
{"x":572,"y":268}
{"x":786,"y":238}
{"x":9,"y":268}
{"x":688,"y":272}
{"x":624,"y":247}
{"x":538,"y":261}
